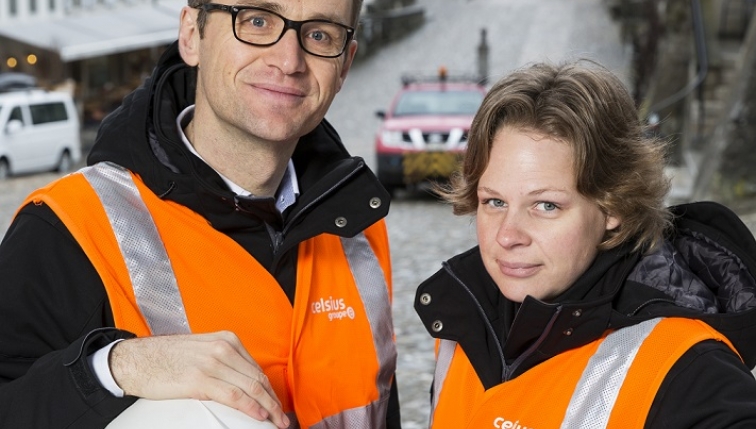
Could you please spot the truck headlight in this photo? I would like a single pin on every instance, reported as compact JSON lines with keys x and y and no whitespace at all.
{"x":392,"y":138}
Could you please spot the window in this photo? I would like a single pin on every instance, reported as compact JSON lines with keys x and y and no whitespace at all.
{"x":13,"y":8}
{"x":33,"y":6}
{"x":16,"y":114}
{"x":439,"y":103}
{"x":48,"y":112}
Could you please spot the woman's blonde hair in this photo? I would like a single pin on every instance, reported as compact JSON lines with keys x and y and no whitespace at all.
{"x":586,"y":106}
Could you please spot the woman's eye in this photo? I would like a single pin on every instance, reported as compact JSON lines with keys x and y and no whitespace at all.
{"x":493,"y":202}
{"x":547,"y":206}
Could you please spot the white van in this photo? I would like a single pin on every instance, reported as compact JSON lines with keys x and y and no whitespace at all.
{"x":39,"y":131}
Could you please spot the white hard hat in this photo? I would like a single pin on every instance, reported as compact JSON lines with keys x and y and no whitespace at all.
{"x":185,"y":414}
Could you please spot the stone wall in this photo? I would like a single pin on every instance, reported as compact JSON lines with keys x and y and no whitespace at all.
{"x":712,"y":126}
{"x":730,"y":176}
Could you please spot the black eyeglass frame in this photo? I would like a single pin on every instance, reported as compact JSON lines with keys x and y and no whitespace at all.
{"x":288,"y":24}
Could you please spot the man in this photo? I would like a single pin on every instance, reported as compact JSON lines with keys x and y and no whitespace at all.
{"x":221,"y":245}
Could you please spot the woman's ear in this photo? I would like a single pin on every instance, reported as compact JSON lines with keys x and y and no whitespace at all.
{"x":189,"y":36}
{"x":612,"y":222}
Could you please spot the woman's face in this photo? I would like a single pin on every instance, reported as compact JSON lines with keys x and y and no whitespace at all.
{"x":537,"y":234}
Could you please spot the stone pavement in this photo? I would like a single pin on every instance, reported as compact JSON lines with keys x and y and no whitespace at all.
{"x":14,"y":190}
{"x":422,"y":234}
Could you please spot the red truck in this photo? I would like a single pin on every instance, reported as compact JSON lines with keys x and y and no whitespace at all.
{"x":424,"y":131}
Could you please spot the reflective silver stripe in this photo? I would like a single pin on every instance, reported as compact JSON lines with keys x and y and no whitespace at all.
{"x":146,"y":259}
{"x":443,"y":363}
{"x":596,"y":392}
{"x":371,"y":284}
{"x":370,"y":416}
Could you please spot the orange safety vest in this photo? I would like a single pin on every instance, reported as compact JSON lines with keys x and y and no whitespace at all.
{"x":330,"y":357}
{"x":609,"y":383}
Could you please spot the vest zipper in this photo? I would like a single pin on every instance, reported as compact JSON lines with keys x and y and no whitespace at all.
{"x":482,"y":314}
{"x":509,"y":370}
{"x":276,"y":238}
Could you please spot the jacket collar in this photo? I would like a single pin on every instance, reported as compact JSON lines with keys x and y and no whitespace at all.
{"x":467,"y":303}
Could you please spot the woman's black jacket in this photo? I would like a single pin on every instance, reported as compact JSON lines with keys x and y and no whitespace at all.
{"x":705,"y":270}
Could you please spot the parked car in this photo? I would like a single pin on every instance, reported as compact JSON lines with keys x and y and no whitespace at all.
{"x":424,"y":131}
{"x":39,"y":131}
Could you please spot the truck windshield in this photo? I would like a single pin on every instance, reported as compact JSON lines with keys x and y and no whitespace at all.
{"x":438,"y":103}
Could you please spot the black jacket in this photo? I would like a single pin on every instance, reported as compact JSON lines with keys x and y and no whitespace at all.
{"x":705,"y":271}
{"x":53,"y":307}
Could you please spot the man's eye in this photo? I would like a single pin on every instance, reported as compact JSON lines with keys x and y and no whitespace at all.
{"x":254,"y":20}
{"x":318,"y":36}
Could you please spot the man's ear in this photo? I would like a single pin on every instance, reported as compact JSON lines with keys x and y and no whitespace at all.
{"x":189,"y":36}
{"x":348,"y":59}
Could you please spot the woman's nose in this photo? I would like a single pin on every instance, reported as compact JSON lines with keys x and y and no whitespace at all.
{"x":512,"y":231}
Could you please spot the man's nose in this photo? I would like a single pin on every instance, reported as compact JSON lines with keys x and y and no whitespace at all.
{"x":287,"y":54}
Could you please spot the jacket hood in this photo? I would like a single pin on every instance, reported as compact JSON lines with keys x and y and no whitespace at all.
{"x":142,"y":135}
{"x":705,"y":270}
{"x":129,"y":135}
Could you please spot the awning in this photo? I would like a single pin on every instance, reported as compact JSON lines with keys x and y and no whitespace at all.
{"x":102,"y":31}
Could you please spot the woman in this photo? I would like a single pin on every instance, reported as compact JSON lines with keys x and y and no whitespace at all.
{"x":586,"y":303}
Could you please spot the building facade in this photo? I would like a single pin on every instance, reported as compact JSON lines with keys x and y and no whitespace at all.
{"x":98,"y":49}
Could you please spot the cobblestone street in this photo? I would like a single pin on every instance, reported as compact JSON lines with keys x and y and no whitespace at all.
{"x":423,"y":233}
{"x":14,"y":190}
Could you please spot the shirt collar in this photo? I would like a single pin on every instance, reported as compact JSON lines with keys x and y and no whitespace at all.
{"x":288,"y":190}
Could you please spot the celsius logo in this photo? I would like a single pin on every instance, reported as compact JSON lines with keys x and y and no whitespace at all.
{"x":501,"y":423}
{"x":335,"y":308}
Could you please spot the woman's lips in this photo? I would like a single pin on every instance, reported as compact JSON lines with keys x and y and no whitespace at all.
{"x":518,"y":269}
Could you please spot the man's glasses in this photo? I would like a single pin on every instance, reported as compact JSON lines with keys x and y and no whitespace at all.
{"x":261,"y":27}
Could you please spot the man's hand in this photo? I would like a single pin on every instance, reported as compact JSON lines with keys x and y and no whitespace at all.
{"x":211,"y":366}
